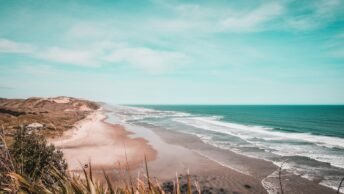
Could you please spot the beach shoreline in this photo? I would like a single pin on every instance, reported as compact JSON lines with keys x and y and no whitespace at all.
{"x":170,"y":153}
{"x":262,"y":171}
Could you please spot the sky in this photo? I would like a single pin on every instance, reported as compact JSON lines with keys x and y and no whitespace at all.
{"x":174,"y":52}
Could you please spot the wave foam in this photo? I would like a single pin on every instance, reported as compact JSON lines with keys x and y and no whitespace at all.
{"x":128,"y":113}
{"x":265,"y":133}
{"x":280,"y":143}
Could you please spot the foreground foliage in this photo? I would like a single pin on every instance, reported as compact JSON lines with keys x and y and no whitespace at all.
{"x":33,"y":158}
{"x":29,"y":165}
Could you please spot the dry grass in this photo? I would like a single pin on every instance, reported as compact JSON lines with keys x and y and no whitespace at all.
{"x":15,"y":181}
{"x":86,"y":183}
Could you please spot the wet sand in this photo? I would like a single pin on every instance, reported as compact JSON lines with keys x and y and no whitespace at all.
{"x":220,"y":168}
{"x":175,"y":158}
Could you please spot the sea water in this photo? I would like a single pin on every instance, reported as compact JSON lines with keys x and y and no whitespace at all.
{"x":308,"y":139}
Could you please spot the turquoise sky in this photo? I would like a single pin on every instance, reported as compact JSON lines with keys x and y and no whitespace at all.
{"x":174,"y":52}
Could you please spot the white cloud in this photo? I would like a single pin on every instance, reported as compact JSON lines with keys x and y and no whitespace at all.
{"x":209,"y":18}
{"x":152,"y":61}
{"x":320,"y":14}
{"x":55,"y":54}
{"x":68,"y":56}
{"x":326,"y":8}
{"x":37,"y":69}
{"x":253,"y":20}
{"x":87,"y":30}
{"x":337,"y":53}
{"x":303,"y":23}
{"x":8,"y":46}
{"x":101,"y":53}
{"x":293,"y":15}
{"x":194,"y":17}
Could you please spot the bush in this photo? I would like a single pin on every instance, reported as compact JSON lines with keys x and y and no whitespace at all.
{"x":32,"y":166}
{"x":34,"y":159}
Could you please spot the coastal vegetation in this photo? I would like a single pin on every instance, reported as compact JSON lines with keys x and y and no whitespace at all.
{"x":30,"y":165}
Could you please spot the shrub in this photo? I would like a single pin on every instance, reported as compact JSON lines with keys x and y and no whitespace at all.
{"x":33,"y":158}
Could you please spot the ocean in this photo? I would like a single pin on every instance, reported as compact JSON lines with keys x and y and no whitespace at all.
{"x":308,"y":139}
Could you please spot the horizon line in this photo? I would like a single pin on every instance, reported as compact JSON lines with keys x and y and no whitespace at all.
{"x":232,"y":104}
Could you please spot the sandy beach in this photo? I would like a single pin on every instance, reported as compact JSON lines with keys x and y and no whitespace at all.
{"x":105,"y":145}
{"x":105,"y":141}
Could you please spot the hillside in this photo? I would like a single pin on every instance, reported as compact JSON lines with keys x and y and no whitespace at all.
{"x":48,"y":116}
